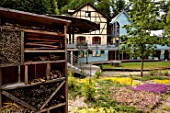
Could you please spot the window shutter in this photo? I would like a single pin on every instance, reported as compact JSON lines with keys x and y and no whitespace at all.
{"x":99,"y":40}
{"x":93,"y":40}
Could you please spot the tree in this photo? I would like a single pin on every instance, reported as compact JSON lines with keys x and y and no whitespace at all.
{"x":52,"y":7}
{"x":167,"y":27}
{"x":108,"y":7}
{"x":111,"y":8}
{"x":33,"y":6}
{"x":119,"y":6}
{"x":104,"y":7}
{"x":74,"y":4}
{"x":139,"y":42}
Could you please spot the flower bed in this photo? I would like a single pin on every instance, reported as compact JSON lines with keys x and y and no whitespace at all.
{"x":155,"y":88}
{"x":94,"y":110}
{"x":142,"y":100}
{"x":167,"y":82}
{"x":123,"y":80}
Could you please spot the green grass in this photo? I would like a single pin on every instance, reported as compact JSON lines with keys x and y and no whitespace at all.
{"x":146,"y":78}
{"x":137,"y":65}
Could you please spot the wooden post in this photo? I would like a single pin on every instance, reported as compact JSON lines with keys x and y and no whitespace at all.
{"x":26,"y":74}
{"x":65,"y":73}
{"x":48,"y":69}
{"x":0,"y":88}
{"x":22,"y":47}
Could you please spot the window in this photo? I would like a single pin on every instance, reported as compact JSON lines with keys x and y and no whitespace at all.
{"x":96,"y":40}
{"x":87,"y":13}
{"x":81,"y":40}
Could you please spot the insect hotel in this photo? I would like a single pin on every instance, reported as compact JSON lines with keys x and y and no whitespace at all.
{"x":33,"y":63}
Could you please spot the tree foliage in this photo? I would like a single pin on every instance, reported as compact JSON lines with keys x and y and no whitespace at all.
{"x":167,"y":27}
{"x":34,"y":6}
{"x":139,"y":43}
{"x":108,"y":7}
{"x":74,"y":4}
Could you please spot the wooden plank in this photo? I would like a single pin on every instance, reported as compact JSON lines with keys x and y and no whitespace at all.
{"x":26,"y":74}
{"x":52,"y":95}
{"x":41,"y":45}
{"x":9,"y":28}
{"x":44,"y":62}
{"x":8,"y":65}
{"x":43,"y":51}
{"x":41,"y":39}
{"x":18,"y":100}
{"x":0,"y":88}
{"x":50,"y":43}
{"x":46,"y":48}
{"x":35,"y":84}
{"x":42,"y":32}
{"x":50,"y":108}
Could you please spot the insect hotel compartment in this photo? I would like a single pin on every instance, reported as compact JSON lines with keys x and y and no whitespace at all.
{"x":29,"y":57}
{"x":39,"y":98}
{"x":10,"y":46}
{"x":43,"y":40}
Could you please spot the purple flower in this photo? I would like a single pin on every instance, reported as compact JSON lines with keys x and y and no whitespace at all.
{"x":155,"y":88}
{"x":168,"y":75}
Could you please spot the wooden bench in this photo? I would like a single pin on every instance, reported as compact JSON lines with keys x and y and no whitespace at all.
{"x":116,"y":63}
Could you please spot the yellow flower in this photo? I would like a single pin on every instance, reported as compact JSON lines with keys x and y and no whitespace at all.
{"x":166,"y":82}
{"x":123,"y":80}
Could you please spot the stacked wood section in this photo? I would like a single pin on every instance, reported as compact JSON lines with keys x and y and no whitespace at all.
{"x":33,"y":75}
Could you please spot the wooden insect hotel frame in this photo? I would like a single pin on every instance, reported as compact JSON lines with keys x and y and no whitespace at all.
{"x":33,"y":63}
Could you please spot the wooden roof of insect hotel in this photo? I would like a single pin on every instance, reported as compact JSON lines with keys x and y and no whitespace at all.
{"x":46,"y":22}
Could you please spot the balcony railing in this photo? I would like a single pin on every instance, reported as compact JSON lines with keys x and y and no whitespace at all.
{"x":91,"y":46}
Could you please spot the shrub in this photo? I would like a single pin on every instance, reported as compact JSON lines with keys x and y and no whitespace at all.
{"x":159,"y":73}
{"x":97,"y":74}
{"x":88,"y":90}
{"x":72,"y":82}
{"x":166,"y":72}
{"x":151,"y":73}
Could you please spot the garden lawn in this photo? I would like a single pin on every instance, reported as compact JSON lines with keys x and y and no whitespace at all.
{"x":137,"y":65}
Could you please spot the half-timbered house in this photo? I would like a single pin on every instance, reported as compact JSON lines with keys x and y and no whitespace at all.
{"x":92,"y":46}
